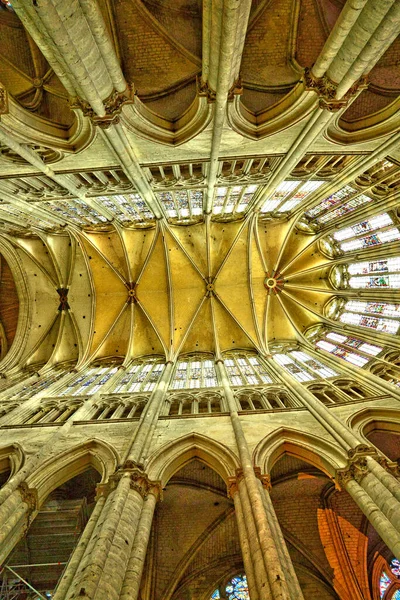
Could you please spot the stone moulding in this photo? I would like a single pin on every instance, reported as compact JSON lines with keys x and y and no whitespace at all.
{"x":140,"y":120}
{"x":294,"y":107}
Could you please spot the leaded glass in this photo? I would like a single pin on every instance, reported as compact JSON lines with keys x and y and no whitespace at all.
{"x":140,"y":377}
{"x":246,"y":370}
{"x":345,"y":208}
{"x":378,"y":266}
{"x":237,"y":588}
{"x":396,"y":595}
{"x":383,"y":325}
{"x":194,"y":373}
{"x":300,"y":195}
{"x":384,"y":583}
{"x":30,"y":389}
{"x":75,"y":210}
{"x":284,"y":189}
{"x":89,"y":382}
{"x":395,"y":567}
{"x":351,"y":357}
{"x":232,"y":199}
{"x":363,"y":227}
{"x":182,"y":204}
{"x":332,"y":200}
{"x":127,"y":208}
{"x":382,"y":308}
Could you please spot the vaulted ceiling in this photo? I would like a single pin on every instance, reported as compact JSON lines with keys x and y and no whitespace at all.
{"x":125,"y":127}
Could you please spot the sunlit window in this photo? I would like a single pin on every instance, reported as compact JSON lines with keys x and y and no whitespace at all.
{"x":235,"y":199}
{"x":246,"y":370}
{"x":127,"y":209}
{"x":194,"y":373}
{"x":236,"y":589}
{"x":302,"y":366}
{"x":182,"y":204}
{"x":375,"y":274}
{"x":385,"y":234}
{"x":290,"y":194}
{"x":75,"y":210}
{"x":373,"y":315}
{"x":343,"y":346}
{"x":140,"y":377}
{"x":89,"y":382}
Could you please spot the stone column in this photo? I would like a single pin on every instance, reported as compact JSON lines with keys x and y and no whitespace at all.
{"x":113,"y":548}
{"x":15,"y":516}
{"x":141,"y":441}
{"x":372,"y":485}
{"x":268,"y":575}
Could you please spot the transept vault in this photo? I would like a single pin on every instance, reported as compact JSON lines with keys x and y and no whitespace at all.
{"x":199,"y":300}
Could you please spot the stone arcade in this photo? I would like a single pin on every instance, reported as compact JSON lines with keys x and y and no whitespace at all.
{"x":199,"y":299}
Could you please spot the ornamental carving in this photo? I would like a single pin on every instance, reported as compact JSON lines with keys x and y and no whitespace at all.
{"x":327,"y":89}
{"x":112,"y":106}
{"x":233,"y":482}
{"x":3,"y":101}
{"x":139,"y":481}
{"x":392,"y":467}
{"x":355,"y":471}
{"x":203,"y":89}
{"x":29,"y":496}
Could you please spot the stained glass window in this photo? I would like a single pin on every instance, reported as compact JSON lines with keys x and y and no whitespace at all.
{"x":236,"y":589}
{"x":382,"y":309}
{"x":395,"y":567}
{"x":25,"y":217}
{"x":302,"y":366}
{"x":32,"y":388}
{"x":396,"y":595}
{"x":384,"y":583}
{"x":89,"y":381}
{"x":75,"y":210}
{"x":360,"y":241}
{"x":228,"y":200}
{"x":140,"y":377}
{"x":194,"y":373}
{"x":289,"y":194}
{"x":375,"y":274}
{"x":182,"y":204}
{"x":127,"y":209}
{"x":246,"y":370}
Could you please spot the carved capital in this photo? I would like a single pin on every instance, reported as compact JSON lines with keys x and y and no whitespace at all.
{"x":327,"y":89}
{"x":112,"y":105}
{"x":391,"y":467}
{"x":29,"y":496}
{"x":139,"y":481}
{"x":356,"y":470}
{"x":203,"y":89}
{"x":3,"y":101}
{"x":233,"y":482}
{"x":236,"y":89}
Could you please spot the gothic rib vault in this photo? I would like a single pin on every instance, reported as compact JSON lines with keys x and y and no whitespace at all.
{"x":199,"y":299}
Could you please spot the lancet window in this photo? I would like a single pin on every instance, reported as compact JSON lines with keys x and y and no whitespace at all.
{"x":140,"y":377}
{"x":246,"y":369}
{"x":344,"y":346}
{"x":372,"y":315}
{"x":389,"y":582}
{"x":182,"y":204}
{"x":34,"y":387}
{"x":375,"y":274}
{"x":128,"y":209}
{"x":75,"y":210}
{"x":302,"y":366}
{"x":26,"y":218}
{"x":235,"y":199}
{"x":235,"y":589}
{"x":194,"y":372}
{"x":290,"y":194}
{"x":380,"y":230}
{"x":89,"y":382}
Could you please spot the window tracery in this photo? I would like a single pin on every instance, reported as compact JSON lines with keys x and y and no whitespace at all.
{"x":194,"y":372}
{"x":232,"y":200}
{"x":246,"y":369}
{"x":380,"y":229}
{"x":194,"y":403}
{"x":235,"y":589}
{"x":31,"y":388}
{"x":140,"y":376}
{"x":343,"y":346}
{"x":389,"y":581}
{"x":368,"y":274}
{"x":182,"y":205}
{"x":362,"y":313}
{"x":302,"y":366}
{"x":89,"y":381}
{"x":289,"y":194}
{"x":75,"y":210}
{"x":128,"y":209}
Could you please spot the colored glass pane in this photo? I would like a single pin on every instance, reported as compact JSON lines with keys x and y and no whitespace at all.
{"x":395,"y":567}
{"x":384,"y":583}
{"x":237,"y":588}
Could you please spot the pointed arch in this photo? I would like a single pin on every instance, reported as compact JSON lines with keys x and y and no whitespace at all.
{"x":321,"y":453}
{"x":171,"y":457}
{"x":11,"y":458}
{"x":74,"y":461}
{"x":372,"y":419}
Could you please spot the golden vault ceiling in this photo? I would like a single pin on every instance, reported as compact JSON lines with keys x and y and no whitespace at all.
{"x":162,"y":164}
